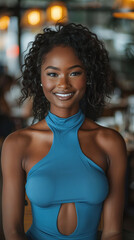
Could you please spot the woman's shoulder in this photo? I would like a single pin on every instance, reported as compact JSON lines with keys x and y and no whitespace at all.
{"x":14,"y":146}
{"x":111,"y":138}
{"x":17,"y":145}
{"x":108,"y":137}
{"x":110,"y":141}
{"x":21,"y":137}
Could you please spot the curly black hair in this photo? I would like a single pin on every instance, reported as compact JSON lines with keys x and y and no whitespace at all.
{"x":89,"y":49}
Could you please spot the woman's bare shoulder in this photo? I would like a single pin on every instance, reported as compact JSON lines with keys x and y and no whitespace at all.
{"x":16,"y":146}
{"x":23,"y":136}
{"x":106,"y":137}
{"x":20,"y":139}
{"x":13,"y":147}
{"x":17,"y":138}
{"x":110,"y":138}
{"x":114,"y":147}
{"x":104,"y":133}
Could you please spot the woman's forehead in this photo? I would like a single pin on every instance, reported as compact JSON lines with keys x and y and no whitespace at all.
{"x":61,"y":54}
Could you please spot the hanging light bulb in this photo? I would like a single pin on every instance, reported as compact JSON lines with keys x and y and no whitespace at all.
{"x":125,"y":9}
{"x":4,"y":22}
{"x":33,"y":18}
{"x":57,"y":11}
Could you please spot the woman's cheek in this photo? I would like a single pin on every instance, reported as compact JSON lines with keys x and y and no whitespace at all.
{"x":48,"y":84}
{"x":81,"y":84}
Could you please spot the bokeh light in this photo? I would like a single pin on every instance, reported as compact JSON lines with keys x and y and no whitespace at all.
{"x":34,"y":17}
{"x":4,"y":22}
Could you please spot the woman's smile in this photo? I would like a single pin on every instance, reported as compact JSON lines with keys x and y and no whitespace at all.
{"x":64,"y":96}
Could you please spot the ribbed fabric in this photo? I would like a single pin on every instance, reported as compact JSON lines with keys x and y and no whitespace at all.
{"x":65,"y":174}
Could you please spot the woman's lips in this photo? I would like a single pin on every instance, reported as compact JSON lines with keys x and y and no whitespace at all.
{"x":64,"y":96}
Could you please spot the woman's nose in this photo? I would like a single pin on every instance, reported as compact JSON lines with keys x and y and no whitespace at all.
{"x":63,"y":81}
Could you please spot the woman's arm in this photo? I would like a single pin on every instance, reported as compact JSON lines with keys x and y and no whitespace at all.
{"x":113,"y":207}
{"x":13,"y":192}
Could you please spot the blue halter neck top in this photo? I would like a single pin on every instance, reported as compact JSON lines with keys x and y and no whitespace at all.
{"x":65,"y":175}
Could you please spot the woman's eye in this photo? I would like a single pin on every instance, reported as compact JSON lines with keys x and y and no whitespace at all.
{"x":52,"y":74}
{"x":75,"y":73}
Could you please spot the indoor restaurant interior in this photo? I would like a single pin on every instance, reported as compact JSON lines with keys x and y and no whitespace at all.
{"x":113,"y":22}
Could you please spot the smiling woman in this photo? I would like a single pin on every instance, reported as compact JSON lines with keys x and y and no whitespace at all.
{"x":91,"y":56}
{"x":66,"y":159}
{"x":63,"y":80}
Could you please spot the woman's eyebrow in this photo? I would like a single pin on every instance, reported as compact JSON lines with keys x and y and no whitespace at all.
{"x":52,"y":67}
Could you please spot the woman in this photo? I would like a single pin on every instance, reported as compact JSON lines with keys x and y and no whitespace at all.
{"x":73,"y":167}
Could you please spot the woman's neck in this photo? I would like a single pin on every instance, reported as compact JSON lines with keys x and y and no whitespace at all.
{"x":64,"y":112}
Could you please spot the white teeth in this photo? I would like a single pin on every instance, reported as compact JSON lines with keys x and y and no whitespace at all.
{"x":63,"y":94}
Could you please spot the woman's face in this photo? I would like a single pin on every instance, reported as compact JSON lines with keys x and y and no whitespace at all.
{"x":63,"y":79}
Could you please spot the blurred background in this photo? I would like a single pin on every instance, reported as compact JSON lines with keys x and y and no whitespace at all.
{"x":113,"y":22}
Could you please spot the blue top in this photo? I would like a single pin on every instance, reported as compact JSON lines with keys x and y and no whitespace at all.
{"x":65,"y":174}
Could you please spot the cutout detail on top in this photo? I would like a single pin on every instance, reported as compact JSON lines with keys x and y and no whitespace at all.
{"x":67,"y":218}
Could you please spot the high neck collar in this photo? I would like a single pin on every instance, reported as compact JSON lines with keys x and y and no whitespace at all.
{"x":65,"y":123}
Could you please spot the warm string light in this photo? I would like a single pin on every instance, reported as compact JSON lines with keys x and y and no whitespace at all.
{"x":34,"y":17}
{"x":125,"y":9}
{"x":4,"y":22}
{"x":57,"y":11}
{"x":125,"y":15}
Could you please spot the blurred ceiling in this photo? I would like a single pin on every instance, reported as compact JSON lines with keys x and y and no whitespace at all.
{"x":41,"y":2}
